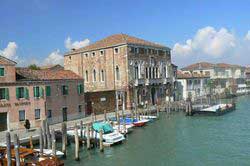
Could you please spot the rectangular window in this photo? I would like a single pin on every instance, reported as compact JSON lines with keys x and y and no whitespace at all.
{"x":20,"y":92}
{"x":131,"y":49}
{"x":4,"y":93}
{"x":22,"y":115}
{"x":38,"y":91}
{"x":65,"y":90}
{"x":116,"y":50}
{"x":37,"y":114}
{"x":80,"y":89}
{"x":48,"y":91}
{"x":49,"y":114}
{"x":1,"y":71}
{"x":79,"y":108}
{"x":136,"y":50}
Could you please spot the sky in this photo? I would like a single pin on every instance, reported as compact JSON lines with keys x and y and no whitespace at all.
{"x":41,"y":31}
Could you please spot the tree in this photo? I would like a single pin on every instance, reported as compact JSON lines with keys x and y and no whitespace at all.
{"x":34,"y":67}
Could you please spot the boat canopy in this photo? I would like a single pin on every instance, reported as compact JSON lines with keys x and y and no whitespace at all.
{"x":106,"y":127}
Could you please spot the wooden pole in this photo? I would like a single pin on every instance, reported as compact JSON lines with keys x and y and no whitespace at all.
{"x":64,"y":138}
{"x":88,"y":136}
{"x":31,"y":143}
{"x":8,"y":144}
{"x":76,"y":144}
{"x":53,"y":141}
{"x":48,"y":135}
{"x":44,"y":133}
{"x":17,"y":155}
{"x":41,"y":140}
{"x":105,"y":115}
{"x":101,"y":140}
{"x":81,"y":129}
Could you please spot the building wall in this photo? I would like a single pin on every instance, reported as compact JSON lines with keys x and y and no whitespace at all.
{"x":10,"y":73}
{"x":56,"y":102}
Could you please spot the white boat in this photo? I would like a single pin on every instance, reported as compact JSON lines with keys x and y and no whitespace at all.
{"x":148,"y":117}
{"x":128,"y":128}
{"x":49,"y":152}
{"x":110,"y":138}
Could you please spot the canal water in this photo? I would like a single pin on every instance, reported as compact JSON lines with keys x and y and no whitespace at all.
{"x":180,"y":140}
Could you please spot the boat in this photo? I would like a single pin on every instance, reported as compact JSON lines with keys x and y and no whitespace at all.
{"x":110,"y":136}
{"x":148,"y":117}
{"x":218,"y":109}
{"x":135,"y":122}
{"x":29,"y":157}
{"x":49,"y":152}
{"x":128,"y":128}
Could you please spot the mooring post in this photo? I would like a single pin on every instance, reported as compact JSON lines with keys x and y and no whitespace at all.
{"x":16,"y":148}
{"x":53,"y":141}
{"x":88,"y":136}
{"x":101,"y":141}
{"x":8,"y":144}
{"x":44,"y":133}
{"x":64,"y":138}
{"x":157,"y":112}
{"x":48,"y":135}
{"x":81,"y":129}
{"x":76,"y":143}
{"x":41,"y":140}
{"x":31,"y":142}
{"x":105,"y":115}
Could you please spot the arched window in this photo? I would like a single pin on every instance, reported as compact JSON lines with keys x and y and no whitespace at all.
{"x":86,"y":76}
{"x":136,"y":71}
{"x":94,"y":75}
{"x":102,"y":75}
{"x":117,"y":73}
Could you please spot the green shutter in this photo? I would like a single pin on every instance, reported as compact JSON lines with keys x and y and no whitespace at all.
{"x":41,"y":91}
{"x":79,"y":89}
{"x":1,"y":71}
{"x":17,"y":93}
{"x":48,"y":91}
{"x":26,"y":93}
{"x":34,"y":91}
{"x":67,"y":89}
{"x":7,"y":97}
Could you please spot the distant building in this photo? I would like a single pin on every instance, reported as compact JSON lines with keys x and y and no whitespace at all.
{"x":34,"y":95}
{"x":191,"y":85}
{"x":122,"y":64}
{"x":226,"y":77}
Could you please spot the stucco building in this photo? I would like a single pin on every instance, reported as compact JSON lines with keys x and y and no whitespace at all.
{"x":123,"y":65}
{"x":57,"y":95}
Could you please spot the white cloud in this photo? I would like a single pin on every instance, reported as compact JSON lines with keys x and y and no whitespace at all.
{"x":213,"y":45}
{"x":54,"y":58}
{"x":10,"y":51}
{"x":207,"y":41}
{"x":76,"y":44}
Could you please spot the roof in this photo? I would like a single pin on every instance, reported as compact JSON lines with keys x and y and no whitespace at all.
{"x":182,"y":75}
{"x":29,"y":74}
{"x":207,"y":65}
{"x":115,"y":40}
{"x":4,"y":60}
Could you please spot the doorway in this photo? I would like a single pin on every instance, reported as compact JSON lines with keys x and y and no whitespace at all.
{"x":3,"y":120}
{"x":153,"y":96}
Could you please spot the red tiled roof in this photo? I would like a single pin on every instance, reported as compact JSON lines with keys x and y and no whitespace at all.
{"x":117,"y":39}
{"x":182,"y":75}
{"x":207,"y":65}
{"x":29,"y":74}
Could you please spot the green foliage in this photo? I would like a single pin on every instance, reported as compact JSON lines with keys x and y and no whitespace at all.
{"x":34,"y":67}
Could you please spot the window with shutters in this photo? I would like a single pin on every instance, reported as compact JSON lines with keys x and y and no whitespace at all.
{"x":4,"y":94}
{"x":38,"y":92}
{"x":1,"y":71}
{"x":65,"y":90}
{"x":22,"y":115}
{"x":80,"y":89}
{"x":20,"y":93}
{"x":48,"y":91}
{"x":94,"y":75}
{"x":37,"y":113}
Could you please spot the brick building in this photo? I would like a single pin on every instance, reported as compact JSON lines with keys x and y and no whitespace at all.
{"x":123,"y":65}
{"x":55,"y":94}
